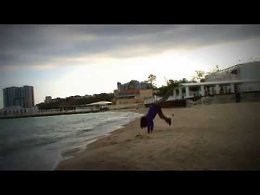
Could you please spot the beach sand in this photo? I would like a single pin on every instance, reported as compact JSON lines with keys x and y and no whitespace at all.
{"x":202,"y":137}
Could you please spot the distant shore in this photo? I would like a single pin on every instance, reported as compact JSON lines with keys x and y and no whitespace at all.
{"x":41,"y":114}
{"x":202,"y":137}
{"x":47,"y":114}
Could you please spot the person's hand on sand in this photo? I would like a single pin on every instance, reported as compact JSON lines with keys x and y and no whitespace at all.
{"x":169,"y":121}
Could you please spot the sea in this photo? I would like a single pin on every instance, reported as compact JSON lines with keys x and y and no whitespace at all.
{"x":38,"y":143}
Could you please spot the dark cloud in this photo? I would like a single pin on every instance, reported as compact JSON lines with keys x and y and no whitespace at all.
{"x":41,"y":44}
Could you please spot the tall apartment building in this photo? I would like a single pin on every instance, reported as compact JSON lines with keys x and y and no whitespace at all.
{"x":19,"y":96}
{"x":133,"y":85}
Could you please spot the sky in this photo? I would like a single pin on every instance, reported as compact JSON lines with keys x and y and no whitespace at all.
{"x":67,"y":60}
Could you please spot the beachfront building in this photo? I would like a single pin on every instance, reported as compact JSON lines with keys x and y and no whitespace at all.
{"x":241,"y":78}
{"x":18,"y":110}
{"x":100,"y":105}
{"x":133,"y":92}
{"x":18,"y":96}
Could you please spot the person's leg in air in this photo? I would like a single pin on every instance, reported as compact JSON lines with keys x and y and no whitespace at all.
{"x":162,"y":116}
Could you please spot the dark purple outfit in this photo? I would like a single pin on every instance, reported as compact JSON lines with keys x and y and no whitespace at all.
{"x":153,"y":110}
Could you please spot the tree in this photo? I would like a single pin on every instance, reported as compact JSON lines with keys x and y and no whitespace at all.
{"x":170,"y":85}
{"x":151,"y":79}
{"x":184,"y":80}
{"x":199,"y":74}
{"x":170,"y":82}
{"x":216,"y":68}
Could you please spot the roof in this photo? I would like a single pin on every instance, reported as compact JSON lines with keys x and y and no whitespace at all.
{"x":218,"y":82}
{"x":99,"y":103}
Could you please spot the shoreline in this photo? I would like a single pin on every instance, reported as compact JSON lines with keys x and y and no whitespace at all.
{"x":204,"y":137}
{"x":42,"y":114}
{"x":75,"y":152}
{"x":50,"y":114}
{"x":70,"y":153}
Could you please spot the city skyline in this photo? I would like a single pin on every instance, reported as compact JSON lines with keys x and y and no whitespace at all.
{"x":68,"y":60}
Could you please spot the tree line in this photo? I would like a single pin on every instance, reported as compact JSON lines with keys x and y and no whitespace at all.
{"x":71,"y":103}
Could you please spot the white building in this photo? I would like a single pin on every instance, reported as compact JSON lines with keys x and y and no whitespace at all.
{"x":94,"y":106}
{"x":243,"y":78}
{"x":18,"y":110}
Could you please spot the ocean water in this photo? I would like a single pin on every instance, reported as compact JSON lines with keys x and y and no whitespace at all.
{"x":37,"y":143}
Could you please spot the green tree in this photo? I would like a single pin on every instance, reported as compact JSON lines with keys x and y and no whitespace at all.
{"x":183,"y":80}
{"x":152,"y":79}
{"x":170,"y":85}
{"x":199,"y":74}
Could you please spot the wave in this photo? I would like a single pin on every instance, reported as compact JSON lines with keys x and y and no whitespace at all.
{"x":27,"y":138}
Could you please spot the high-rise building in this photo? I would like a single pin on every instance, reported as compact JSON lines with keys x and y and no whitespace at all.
{"x":47,"y":99}
{"x":132,"y":92}
{"x":19,"y":96}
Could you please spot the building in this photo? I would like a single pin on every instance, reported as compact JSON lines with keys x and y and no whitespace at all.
{"x":17,"y":110}
{"x":47,"y":99}
{"x":19,"y":96}
{"x":133,"y":85}
{"x":133,"y":92}
{"x":241,"y":78}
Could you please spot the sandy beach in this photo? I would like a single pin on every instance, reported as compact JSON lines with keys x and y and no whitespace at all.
{"x":202,"y":137}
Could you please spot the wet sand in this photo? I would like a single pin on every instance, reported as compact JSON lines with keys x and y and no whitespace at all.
{"x":202,"y":137}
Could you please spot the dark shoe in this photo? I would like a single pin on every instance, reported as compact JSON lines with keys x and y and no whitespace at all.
{"x":169,"y":121}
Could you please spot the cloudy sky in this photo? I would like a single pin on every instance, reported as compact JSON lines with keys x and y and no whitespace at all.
{"x":65,"y":60}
